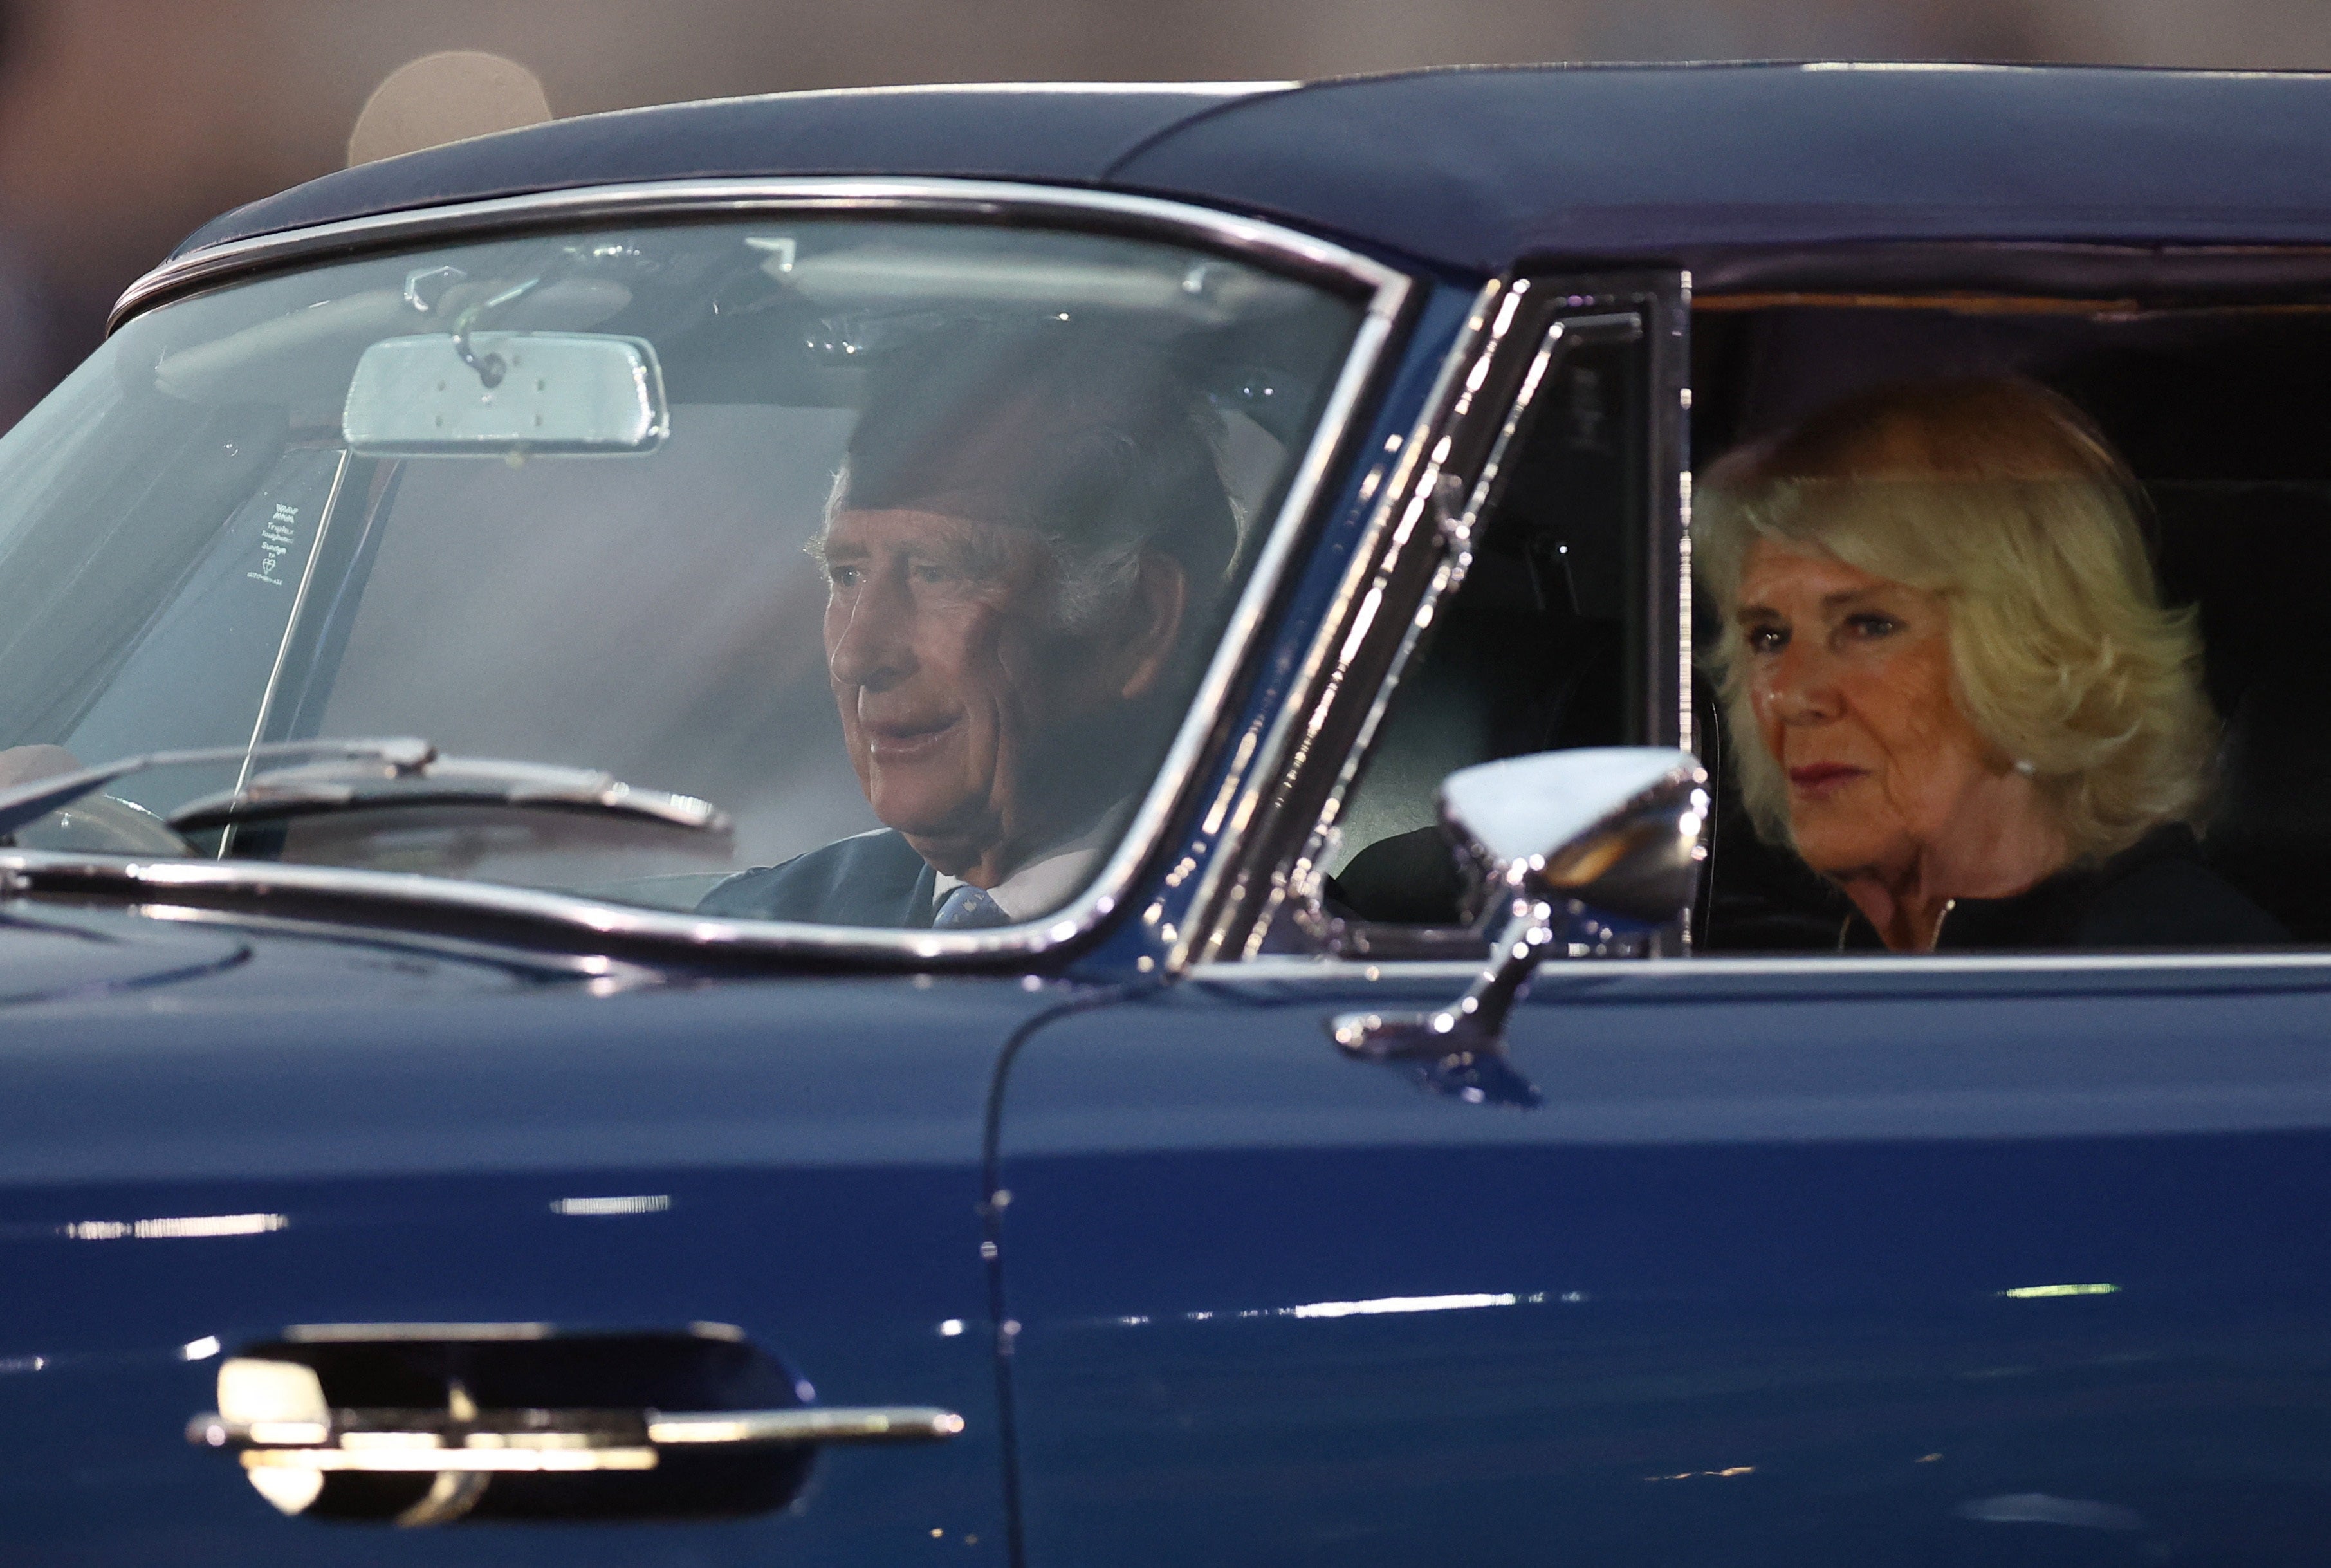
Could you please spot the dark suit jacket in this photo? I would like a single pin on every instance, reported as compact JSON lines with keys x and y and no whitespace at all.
{"x":873,"y":879}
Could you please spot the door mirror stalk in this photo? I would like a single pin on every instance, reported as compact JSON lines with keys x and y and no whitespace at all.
{"x":1578,"y":850}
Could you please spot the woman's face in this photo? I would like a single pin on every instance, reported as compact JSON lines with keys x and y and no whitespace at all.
{"x":1850,"y":678}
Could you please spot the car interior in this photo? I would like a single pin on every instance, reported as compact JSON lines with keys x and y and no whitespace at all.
{"x":337,"y":559}
{"x":2220,"y":411}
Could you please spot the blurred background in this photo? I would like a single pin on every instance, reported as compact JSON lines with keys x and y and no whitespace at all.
{"x":126,"y":123}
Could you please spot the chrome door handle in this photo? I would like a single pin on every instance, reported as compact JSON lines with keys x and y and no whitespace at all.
{"x":894,"y":1423}
{"x":273,"y":1414}
{"x":408,"y":1440}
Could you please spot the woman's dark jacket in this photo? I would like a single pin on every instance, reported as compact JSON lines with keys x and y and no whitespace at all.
{"x":2157,"y":893}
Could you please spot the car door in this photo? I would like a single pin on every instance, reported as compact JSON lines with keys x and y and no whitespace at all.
{"x":1801,"y":1260}
{"x":500,"y":1188}
{"x":1972,"y":1262}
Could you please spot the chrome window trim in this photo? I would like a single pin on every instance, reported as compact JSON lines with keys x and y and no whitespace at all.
{"x":1359,"y":972}
{"x":1459,"y":534}
{"x":1414,"y":495}
{"x":1459,"y":526}
{"x":221,"y":263}
{"x":1387,"y":293}
{"x":1676,"y":419}
{"x":1409,"y":490}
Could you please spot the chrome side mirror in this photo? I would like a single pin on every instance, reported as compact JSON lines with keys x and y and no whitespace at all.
{"x":1579,"y":849}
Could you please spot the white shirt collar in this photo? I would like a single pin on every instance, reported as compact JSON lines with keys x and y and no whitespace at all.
{"x":1043,"y":884}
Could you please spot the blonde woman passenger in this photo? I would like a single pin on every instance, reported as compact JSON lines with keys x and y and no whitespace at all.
{"x":1955,"y":691}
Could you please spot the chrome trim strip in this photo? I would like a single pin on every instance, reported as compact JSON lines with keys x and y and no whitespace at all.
{"x":1402,"y":485}
{"x":1459,"y":534}
{"x":360,"y":1449}
{"x":1687,"y":719}
{"x":422,"y":1457}
{"x":1346,"y":972}
{"x":1388,"y":292}
{"x":809,"y":1424}
{"x":717,"y":197}
{"x":400,"y":1333}
{"x":1472,"y":355}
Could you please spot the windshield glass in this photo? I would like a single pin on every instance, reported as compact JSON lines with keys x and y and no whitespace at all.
{"x":828,"y":570}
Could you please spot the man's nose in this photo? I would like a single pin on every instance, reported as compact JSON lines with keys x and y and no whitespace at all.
{"x":870,"y":646}
{"x":1801,"y":686}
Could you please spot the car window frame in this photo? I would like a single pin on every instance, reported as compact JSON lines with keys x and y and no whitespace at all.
{"x":1387,"y":298}
{"x":1453,"y":953}
{"x":1264,"y":896}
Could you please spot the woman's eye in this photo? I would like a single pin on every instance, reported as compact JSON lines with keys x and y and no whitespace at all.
{"x":1766,"y":639}
{"x":1873,"y":625}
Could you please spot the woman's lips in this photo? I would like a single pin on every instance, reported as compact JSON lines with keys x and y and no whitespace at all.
{"x":1819,"y":780}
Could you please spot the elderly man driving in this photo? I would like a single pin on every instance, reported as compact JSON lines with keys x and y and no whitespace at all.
{"x":1023,"y":547}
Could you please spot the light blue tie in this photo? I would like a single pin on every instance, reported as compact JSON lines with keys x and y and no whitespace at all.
{"x":968,"y":908}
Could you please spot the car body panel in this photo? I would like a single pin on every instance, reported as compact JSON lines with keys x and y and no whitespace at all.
{"x":1800,"y":1261}
{"x":1474,"y":171}
{"x":1068,"y":132}
{"x":1993,"y":1265}
{"x":324,"y":1134}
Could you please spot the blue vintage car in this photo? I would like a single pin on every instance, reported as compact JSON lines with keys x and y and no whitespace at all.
{"x":712,"y":857}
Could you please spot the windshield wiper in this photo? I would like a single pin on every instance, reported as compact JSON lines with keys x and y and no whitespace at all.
{"x":28,"y":802}
{"x":366,"y":774}
{"x":369,"y":782}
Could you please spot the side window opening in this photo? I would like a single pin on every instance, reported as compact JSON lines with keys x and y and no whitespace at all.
{"x":1554,"y":638}
{"x":1545,"y":645}
{"x":2216,"y":414}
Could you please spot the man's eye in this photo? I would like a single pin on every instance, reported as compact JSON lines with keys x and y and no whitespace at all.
{"x":843,"y":576}
{"x":929,"y":571}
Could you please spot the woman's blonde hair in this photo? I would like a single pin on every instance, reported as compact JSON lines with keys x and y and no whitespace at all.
{"x":2000,"y":498}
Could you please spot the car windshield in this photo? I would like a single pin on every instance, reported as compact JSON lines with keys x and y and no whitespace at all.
{"x":832,"y":570}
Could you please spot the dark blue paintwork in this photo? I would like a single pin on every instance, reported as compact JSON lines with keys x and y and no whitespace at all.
{"x":1474,"y":170}
{"x":61,"y":957}
{"x":1036,"y":135}
{"x":1738,"y":1287}
{"x":816,"y":1147}
{"x":412,"y":1106}
{"x":1735,"y":1292}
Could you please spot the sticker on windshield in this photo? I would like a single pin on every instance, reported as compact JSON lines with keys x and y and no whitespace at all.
{"x":276,"y":537}
{"x":230,"y":631}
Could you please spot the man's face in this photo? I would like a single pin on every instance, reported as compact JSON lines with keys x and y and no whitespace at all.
{"x":957,"y":694}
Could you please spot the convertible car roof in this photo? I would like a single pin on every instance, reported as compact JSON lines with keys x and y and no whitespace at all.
{"x":1473,"y":170}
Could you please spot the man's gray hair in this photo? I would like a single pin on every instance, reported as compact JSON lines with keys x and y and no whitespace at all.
{"x":1099,"y":452}
{"x":1092,"y":579}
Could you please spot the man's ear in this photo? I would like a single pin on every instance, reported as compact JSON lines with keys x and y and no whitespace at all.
{"x":1161,"y":593}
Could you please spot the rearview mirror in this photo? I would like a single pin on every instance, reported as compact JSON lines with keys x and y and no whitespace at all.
{"x":1578,"y":849}
{"x":499,"y":394}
